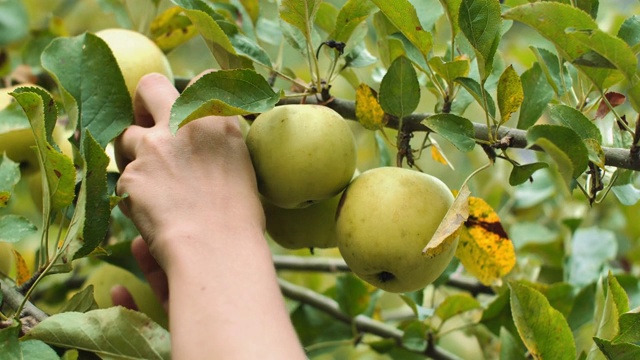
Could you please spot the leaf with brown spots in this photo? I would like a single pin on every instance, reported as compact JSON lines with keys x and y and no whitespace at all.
{"x":368,"y":111}
{"x":485,"y":249}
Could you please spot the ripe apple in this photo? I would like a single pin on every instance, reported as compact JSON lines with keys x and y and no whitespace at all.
{"x":136,"y":55}
{"x":106,"y":276}
{"x":302,"y":154}
{"x":386,"y":217}
{"x":310,"y":227}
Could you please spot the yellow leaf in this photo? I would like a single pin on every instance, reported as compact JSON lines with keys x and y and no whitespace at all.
{"x":171,"y":29}
{"x":448,"y":229}
{"x":368,"y":111}
{"x":22,"y":270}
{"x":485,"y":249}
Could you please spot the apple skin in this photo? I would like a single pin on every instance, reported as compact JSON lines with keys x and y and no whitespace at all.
{"x":106,"y":276}
{"x":302,"y":154}
{"x":310,"y":227}
{"x":386,"y":217}
{"x":136,"y":55}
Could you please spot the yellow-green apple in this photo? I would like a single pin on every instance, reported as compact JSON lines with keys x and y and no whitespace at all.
{"x":136,"y":55}
{"x":302,"y":154}
{"x":386,"y":217}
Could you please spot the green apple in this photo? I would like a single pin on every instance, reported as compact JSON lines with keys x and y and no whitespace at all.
{"x":310,"y":227}
{"x":136,"y":55}
{"x":386,"y":217}
{"x":302,"y":154}
{"x":106,"y":276}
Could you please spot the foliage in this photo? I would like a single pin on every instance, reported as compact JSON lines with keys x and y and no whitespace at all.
{"x":533,"y":105}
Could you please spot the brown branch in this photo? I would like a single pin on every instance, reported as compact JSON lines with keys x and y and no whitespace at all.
{"x":361,"y":322}
{"x":617,"y":157}
{"x":12,"y":299}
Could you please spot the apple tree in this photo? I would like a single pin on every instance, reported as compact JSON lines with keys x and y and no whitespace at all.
{"x":514,"y":125}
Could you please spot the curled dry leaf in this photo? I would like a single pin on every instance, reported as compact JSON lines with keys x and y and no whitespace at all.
{"x":453,"y":220}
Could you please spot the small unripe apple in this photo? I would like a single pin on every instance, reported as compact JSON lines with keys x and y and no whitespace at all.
{"x":386,"y":217}
{"x":136,"y":55}
{"x":302,"y":154}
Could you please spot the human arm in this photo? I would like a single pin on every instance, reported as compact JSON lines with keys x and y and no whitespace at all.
{"x":194,"y":199}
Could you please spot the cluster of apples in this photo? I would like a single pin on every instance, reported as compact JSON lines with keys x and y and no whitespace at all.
{"x":305,"y":162}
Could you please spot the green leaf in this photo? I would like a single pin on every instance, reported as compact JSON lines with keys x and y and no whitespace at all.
{"x":37,"y":350}
{"x":403,"y":16}
{"x":522,"y":173}
{"x":629,"y":328}
{"x":452,"y":9}
{"x":399,"y":90}
{"x":476,"y":90}
{"x":564,"y":146}
{"x":95,"y":90}
{"x":537,"y":94}
{"x":543,"y":329}
{"x":351,"y":15}
{"x":606,"y":322}
{"x":314,"y":326}
{"x":592,"y":248}
{"x":414,"y":336}
{"x":630,"y":31}
{"x":498,"y":314}
{"x":97,"y":209}
{"x":120,"y":11}
{"x":414,"y":301}
{"x":576,"y":120}
{"x":352,"y":295}
{"x":583,"y":307}
{"x":618,"y":294}
{"x":458,"y":130}
{"x":389,"y":48}
{"x":114,"y":332}
{"x":9,"y":341}
{"x":556,"y":72}
{"x":449,"y":70}
{"x":9,"y":177}
{"x":204,"y":19}
{"x":300,"y":14}
{"x":14,"y":228}
{"x":578,"y":39}
{"x":624,"y":351}
{"x":82,"y":301}
{"x":480,"y":22}
{"x":510,"y":347}
{"x":510,"y":93}
{"x":455,"y":305}
{"x":224,"y":93}
{"x":14,"y":21}
{"x":58,"y":168}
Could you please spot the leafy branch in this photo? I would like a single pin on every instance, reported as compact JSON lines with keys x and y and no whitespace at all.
{"x":510,"y":137}
{"x":360,"y":322}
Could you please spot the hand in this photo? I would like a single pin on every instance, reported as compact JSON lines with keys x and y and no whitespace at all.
{"x":201,"y":175}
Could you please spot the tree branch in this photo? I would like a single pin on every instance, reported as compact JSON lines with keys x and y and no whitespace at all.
{"x":334,"y":265}
{"x":361,"y":322}
{"x":12,"y":298}
{"x":617,"y":157}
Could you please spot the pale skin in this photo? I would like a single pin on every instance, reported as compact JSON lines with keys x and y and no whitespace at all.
{"x":194,"y":199}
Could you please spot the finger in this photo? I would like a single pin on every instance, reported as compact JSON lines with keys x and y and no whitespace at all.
{"x":120,"y":296}
{"x":125,"y":145}
{"x":197,"y":77}
{"x":154,"y":97}
{"x":152,"y":271}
